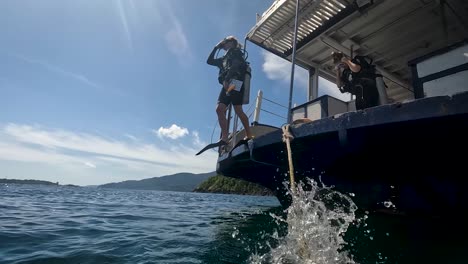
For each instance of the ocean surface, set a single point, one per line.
(59, 224)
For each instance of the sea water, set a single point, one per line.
(59, 224)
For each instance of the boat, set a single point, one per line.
(406, 156)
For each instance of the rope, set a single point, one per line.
(287, 137)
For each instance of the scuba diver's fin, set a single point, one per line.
(212, 145)
(241, 142)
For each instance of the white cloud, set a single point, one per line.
(123, 19)
(327, 87)
(133, 138)
(196, 139)
(172, 132)
(78, 77)
(174, 36)
(277, 68)
(89, 164)
(176, 39)
(70, 151)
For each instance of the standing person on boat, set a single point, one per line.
(232, 67)
(357, 76)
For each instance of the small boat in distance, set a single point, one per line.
(410, 152)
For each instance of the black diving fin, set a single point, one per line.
(244, 141)
(212, 145)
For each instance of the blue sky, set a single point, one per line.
(103, 91)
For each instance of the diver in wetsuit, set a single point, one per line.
(232, 67)
(357, 76)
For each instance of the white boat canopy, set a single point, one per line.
(391, 32)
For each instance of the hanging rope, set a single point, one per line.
(287, 137)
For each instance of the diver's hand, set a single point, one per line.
(220, 44)
(226, 85)
(346, 60)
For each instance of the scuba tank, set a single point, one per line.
(247, 77)
(381, 88)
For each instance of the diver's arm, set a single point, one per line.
(352, 66)
(338, 78)
(211, 60)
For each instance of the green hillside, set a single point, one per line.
(14, 181)
(222, 184)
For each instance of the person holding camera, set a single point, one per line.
(357, 76)
(232, 67)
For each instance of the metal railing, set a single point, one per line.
(252, 111)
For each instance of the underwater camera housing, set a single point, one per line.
(337, 56)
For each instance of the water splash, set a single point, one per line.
(389, 204)
(317, 219)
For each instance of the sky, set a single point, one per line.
(93, 92)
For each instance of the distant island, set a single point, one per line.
(189, 182)
(180, 182)
(13, 181)
(222, 184)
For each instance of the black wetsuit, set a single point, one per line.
(231, 66)
(362, 84)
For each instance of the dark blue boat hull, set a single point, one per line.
(413, 155)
